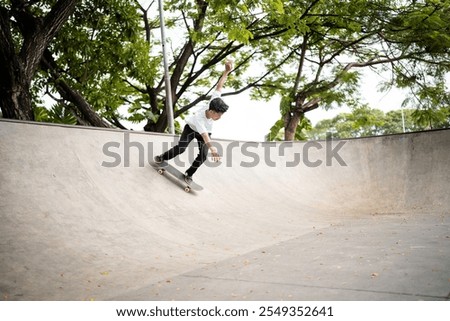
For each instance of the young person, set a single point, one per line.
(199, 126)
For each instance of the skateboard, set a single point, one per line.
(165, 167)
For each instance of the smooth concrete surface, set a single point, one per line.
(84, 217)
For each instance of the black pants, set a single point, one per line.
(187, 136)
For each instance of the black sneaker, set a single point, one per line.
(158, 159)
(187, 179)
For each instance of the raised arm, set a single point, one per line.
(223, 78)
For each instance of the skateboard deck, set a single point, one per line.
(166, 167)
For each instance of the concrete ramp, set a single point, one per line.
(84, 217)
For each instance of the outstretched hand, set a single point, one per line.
(228, 65)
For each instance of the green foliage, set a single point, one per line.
(57, 114)
(344, 125)
(432, 118)
(302, 129)
(304, 50)
(41, 114)
(277, 130)
(365, 121)
(97, 49)
(335, 33)
(91, 55)
(286, 105)
(140, 113)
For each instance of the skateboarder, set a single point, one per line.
(199, 126)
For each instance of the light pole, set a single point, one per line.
(169, 109)
(403, 121)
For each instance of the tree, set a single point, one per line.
(207, 33)
(361, 121)
(304, 51)
(18, 65)
(395, 119)
(324, 40)
(129, 72)
(364, 121)
(86, 68)
(403, 36)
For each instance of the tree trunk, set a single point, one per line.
(291, 121)
(15, 99)
(82, 105)
(17, 70)
(293, 118)
(159, 126)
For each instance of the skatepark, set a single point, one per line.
(85, 217)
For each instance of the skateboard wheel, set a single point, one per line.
(160, 171)
(187, 189)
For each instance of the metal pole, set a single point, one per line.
(169, 109)
(403, 121)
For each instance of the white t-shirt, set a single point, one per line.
(198, 120)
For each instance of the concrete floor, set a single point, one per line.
(85, 217)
